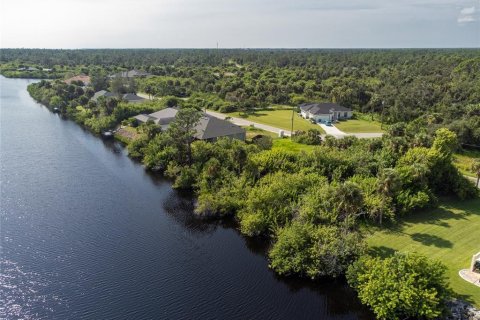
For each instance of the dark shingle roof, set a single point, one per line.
(144, 118)
(210, 127)
(322, 108)
(164, 116)
(102, 93)
(130, 97)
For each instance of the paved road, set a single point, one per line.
(243, 122)
(332, 130)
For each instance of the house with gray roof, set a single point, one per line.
(128, 97)
(130, 74)
(208, 127)
(102, 93)
(324, 112)
(132, 98)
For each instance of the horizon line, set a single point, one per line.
(240, 48)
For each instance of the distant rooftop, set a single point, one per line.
(130, 74)
(322, 108)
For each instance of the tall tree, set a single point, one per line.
(388, 183)
(182, 130)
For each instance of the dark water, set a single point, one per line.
(87, 234)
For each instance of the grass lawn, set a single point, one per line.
(463, 161)
(252, 132)
(278, 118)
(289, 145)
(359, 126)
(449, 233)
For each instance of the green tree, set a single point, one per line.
(388, 183)
(401, 287)
(182, 130)
(314, 251)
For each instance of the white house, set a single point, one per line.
(323, 112)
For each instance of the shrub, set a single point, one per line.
(400, 287)
(314, 251)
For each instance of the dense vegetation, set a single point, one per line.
(436, 87)
(309, 204)
(386, 286)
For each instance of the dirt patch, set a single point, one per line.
(128, 133)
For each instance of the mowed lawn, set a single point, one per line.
(288, 145)
(450, 233)
(278, 118)
(464, 161)
(359, 126)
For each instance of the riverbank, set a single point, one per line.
(89, 233)
(232, 178)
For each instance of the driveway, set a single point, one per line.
(246, 123)
(337, 133)
(332, 130)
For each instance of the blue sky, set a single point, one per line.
(239, 23)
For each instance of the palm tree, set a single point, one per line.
(476, 170)
(388, 183)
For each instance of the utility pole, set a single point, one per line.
(383, 109)
(293, 114)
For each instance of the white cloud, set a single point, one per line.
(238, 23)
(465, 19)
(467, 11)
(467, 15)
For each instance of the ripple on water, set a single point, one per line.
(22, 294)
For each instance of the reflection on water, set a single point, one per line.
(86, 233)
(24, 295)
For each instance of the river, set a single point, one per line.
(86, 233)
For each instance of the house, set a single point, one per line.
(208, 127)
(323, 112)
(161, 118)
(102, 93)
(83, 78)
(130, 74)
(132, 98)
(128, 97)
(27, 69)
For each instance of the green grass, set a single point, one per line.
(253, 131)
(289, 145)
(278, 118)
(463, 161)
(449, 233)
(359, 126)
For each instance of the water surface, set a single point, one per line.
(86, 233)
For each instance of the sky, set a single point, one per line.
(239, 23)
